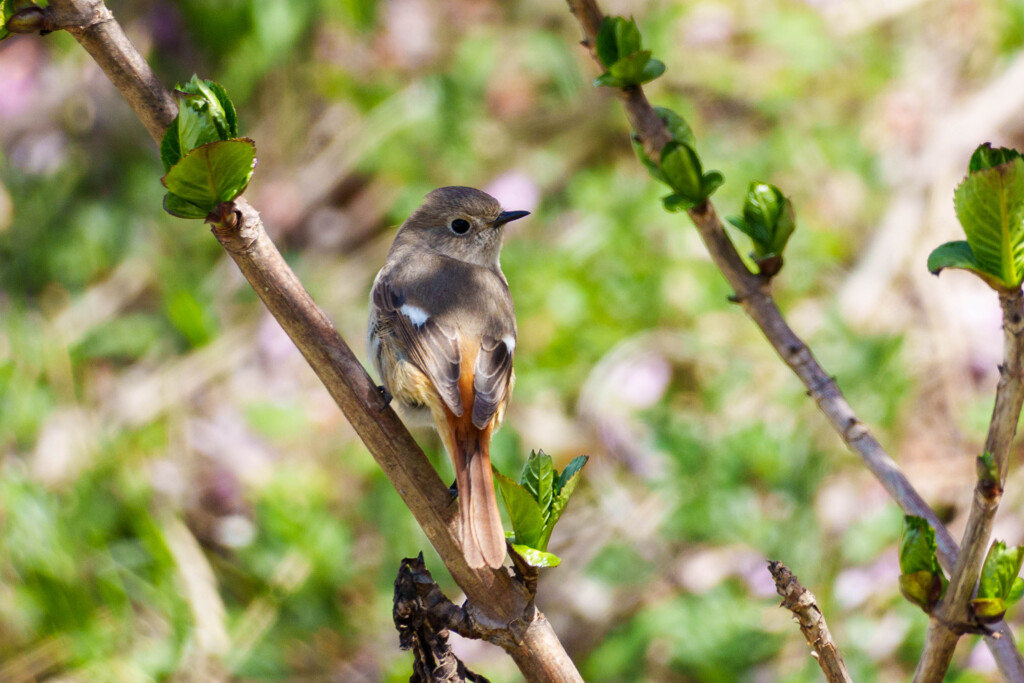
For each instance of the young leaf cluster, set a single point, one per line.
(921, 579)
(620, 50)
(768, 220)
(923, 583)
(205, 161)
(536, 502)
(989, 204)
(999, 586)
(680, 166)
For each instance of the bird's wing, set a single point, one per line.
(431, 346)
(492, 377)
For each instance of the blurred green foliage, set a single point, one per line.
(141, 385)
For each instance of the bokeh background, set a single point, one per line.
(180, 499)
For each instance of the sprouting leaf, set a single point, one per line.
(921, 579)
(987, 468)
(682, 169)
(176, 206)
(1002, 565)
(767, 219)
(526, 515)
(205, 114)
(959, 255)
(537, 478)
(571, 470)
(565, 484)
(212, 173)
(987, 156)
(537, 558)
(619, 48)
(990, 206)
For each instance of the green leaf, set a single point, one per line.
(987, 469)
(230, 115)
(537, 558)
(607, 47)
(176, 206)
(954, 255)
(527, 518)
(574, 466)
(170, 147)
(1002, 565)
(711, 181)
(986, 156)
(677, 126)
(627, 37)
(675, 203)
(537, 477)
(652, 69)
(565, 484)
(917, 546)
(1016, 591)
(213, 173)
(990, 206)
(682, 169)
(768, 219)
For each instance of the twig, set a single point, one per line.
(802, 603)
(953, 610)
(423, 617)
(753, 293)
(495, 600)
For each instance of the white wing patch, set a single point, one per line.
(416, 315)
(510, 343)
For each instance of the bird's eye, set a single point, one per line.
(460, 226)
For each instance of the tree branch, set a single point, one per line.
(753, 293)
(953, 611)
(802, 603)
(502, 607)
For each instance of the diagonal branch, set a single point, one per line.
(753, 293)
(498, 603)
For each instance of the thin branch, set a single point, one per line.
(954, 609)
(501, 606)
(754, 295)
(802, 603)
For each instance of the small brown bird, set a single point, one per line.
(442, 335)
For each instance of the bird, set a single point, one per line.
(442, 338)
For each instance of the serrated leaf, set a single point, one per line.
(537, 478)
(231, 116)
(214, 105)
(213, 173)
(574, 466)
(988, 610)
(987, 156)
(176, 206)
(990, 206)
(607, 49)
(1002, 565)
(565, 483)
(523, 510)
(677, 126)
(682, 169)
(537, 558)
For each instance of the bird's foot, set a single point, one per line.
(386, 395)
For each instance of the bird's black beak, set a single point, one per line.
(507, 217)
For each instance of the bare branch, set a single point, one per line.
(954, 609)
(802, 603)
(754, 294)
(495, 600)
